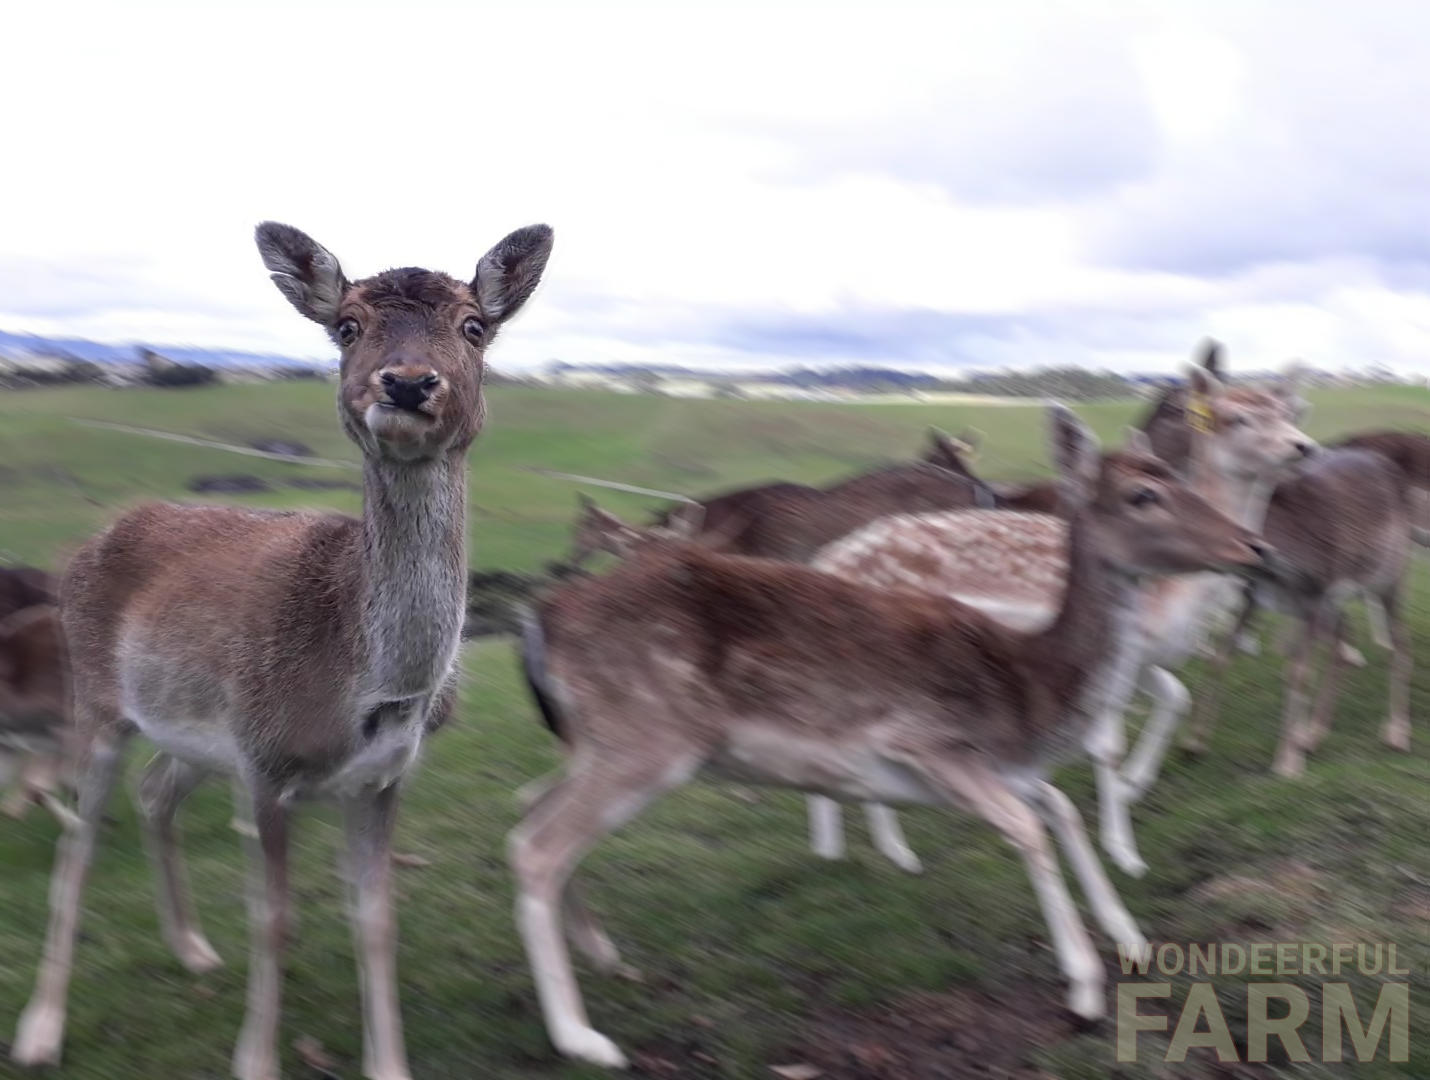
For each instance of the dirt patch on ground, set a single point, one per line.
(229, 484)
(935, 1037)
(1289, 879)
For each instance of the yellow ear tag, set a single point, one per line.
(1199, 414)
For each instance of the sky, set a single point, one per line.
(933, 186)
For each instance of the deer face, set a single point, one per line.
(1143, 517)
(1254, 433)
(412, 340)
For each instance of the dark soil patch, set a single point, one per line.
(229, 484)
(930, 1036)
(317, 483)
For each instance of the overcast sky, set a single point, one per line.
(952, 184)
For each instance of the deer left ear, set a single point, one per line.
(508, 274)
(1135, 441)
(1076, 453)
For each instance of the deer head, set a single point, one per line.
(600, 530)
(1249, 432)
(412, 340)
(1142, 518)
(953, 454)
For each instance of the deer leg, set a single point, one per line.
(42, 1024)
(1290, 761)
(1324, 709)
(1060, 814)
(596, 796)
(582, 927)
(165, 783)
(1170, 702)
(17, 802)
(1105, 743)
(888, 837)
(43, 776)
(1396, 733)
(369, 819)
(973, 787)
(1204, 716)
(826, 827)
(242, 820)
(255, 1057)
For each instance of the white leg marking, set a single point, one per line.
(888, 837)
(826, 827)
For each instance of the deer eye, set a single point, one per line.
(473, 329)
(348, 332)
(1144, 496)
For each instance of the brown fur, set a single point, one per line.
(22, 586)
(309, 654)
(682, 659)
(1341, 524)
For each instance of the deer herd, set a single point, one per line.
(914, 635)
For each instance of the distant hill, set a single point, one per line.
(16, 345)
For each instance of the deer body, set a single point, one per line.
(1013, 567)
(1342, 527)
(683, 661)
(304, 654)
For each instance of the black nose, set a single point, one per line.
(1305, 449)
(408, 391)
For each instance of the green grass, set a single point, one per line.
(748, 943)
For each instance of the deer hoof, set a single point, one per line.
(196, 954)
(1289, 766)
(1397, 736)
(1085, 1000)
(38, 1038)
(587, 1044)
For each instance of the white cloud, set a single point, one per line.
(1026, 182)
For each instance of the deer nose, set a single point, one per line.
(407, 391)
(1305, 447)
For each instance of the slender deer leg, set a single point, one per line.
(44, 775)
(1378, 616)
(1204, 716)
(1105, 743)
(1396, 733)
(888, 837)
(1290, 760)
(1170, 703)
(826, 827)
(165, 783)
(596, 796)
(1322, 713)
(1059, 812)
(242, 820)
(255, 1057)
(582, 927)
(15, 804)
(369, 819)
(42, 1024)
(973, 787)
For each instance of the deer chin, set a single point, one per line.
(403, 432)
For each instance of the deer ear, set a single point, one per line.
(1288, 389)
(305, 272)
(584, 501)
(1211, 357)
(686, 519)
(1201, 381)
(507, 275)
(1135, 441)
(1075, 453)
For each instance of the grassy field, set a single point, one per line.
(755, 953)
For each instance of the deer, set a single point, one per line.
(956, 453)
(683, 661)
(303, 653)
(34, 713)
(1232, 443)
(1342, 525)
(792, 521)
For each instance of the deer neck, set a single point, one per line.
(415, 558)
(1091, 652)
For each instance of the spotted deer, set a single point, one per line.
(684, 661)
(301, 652)
(1342, 525)
(1232, 446)
(793, 521)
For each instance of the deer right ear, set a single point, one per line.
(1211, 357)
(508, 274)
(305, 272)
(1076, 455)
